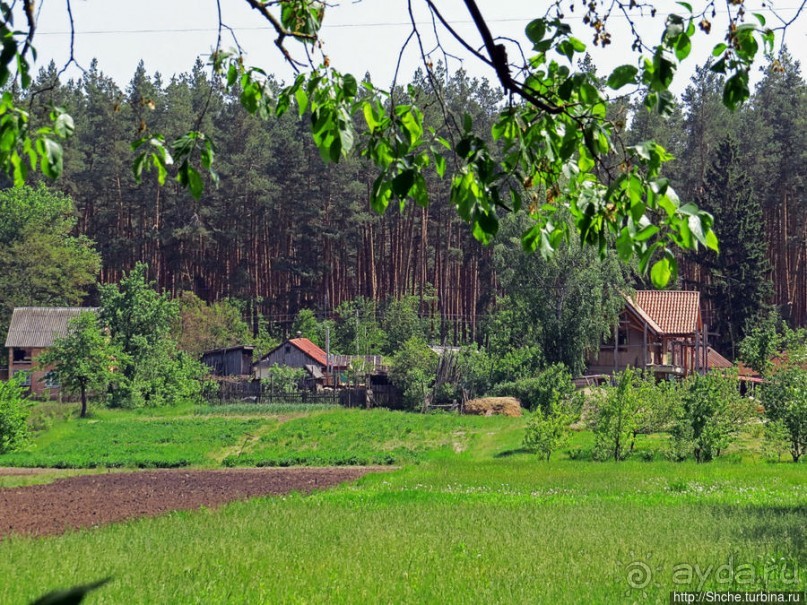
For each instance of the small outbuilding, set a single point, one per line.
(230, 361)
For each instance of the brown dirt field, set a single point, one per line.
(92, 500)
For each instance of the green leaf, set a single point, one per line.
(412, 122)
(624, 244)
(232, 74)
(64, 125)
(736, 91)
(536, 30)
(137, 167)
(577, 45)
(346, 140)
(488, 224)
(661, 272)
(381, 194)
(51, 153)
(683, 46)
(719, 49)
(440, 165)
(622, 75)
(195, 185)
(349, 86)
(588, 94)
(646, 233)
(711, 241)
(369, 116)
(302, 100)
(402, 183)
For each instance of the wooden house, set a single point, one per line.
(33, 330)
(230, 361)
(661, 331)
(323, 369)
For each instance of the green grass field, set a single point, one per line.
(467, 517)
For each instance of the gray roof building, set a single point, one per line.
(38, 327)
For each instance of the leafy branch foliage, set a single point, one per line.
(559, 149)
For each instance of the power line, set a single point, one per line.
(190, 30)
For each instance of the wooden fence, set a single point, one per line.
(257, 392)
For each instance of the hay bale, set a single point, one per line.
(488, 406)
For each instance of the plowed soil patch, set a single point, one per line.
(92, 500)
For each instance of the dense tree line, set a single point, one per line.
(283, 231)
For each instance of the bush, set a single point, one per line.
(712, 414)
(284, 380)
(553, 388)
(163, 377)
(13, 416)
(546, 432)
(413, 370)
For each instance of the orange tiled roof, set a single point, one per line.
(673, 311)
(716, 360)
(310, 349)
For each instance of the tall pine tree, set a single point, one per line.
(738, 283)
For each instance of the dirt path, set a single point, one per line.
(92, 500)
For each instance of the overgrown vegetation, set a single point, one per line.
(13, 415)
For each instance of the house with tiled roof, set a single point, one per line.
(661, 331)
(321, 367)
(32, 331)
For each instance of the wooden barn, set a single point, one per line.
(661, 331)
(33, 330)
(230, 361)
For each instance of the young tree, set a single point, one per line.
(712, 415)
(615, 420)
(763, 339)
(784, 396)
(548, 430)
(84, 361)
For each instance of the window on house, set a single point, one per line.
(51, 380)
(26, 382)
(22, 355)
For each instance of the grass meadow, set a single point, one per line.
(464, 516)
